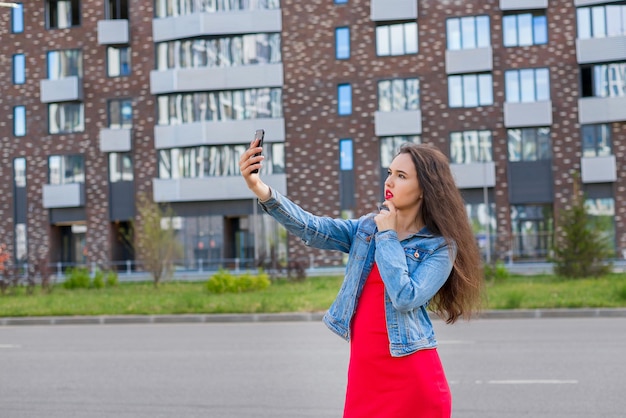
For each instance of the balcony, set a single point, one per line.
(474, 175)
(384, 10)
(115, 140)
(220, 23)
(211, 78)
(523, 4)
(113, 32)
(70, 195)
(68, 89)
(592, 50)
(465, 61)
(598, 169)
(210, 188)
(226, 132)
(601, 110)
(407, 122)
(520, 115)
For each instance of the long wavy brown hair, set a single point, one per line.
(443, 211)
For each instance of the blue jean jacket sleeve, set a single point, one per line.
(410, 290)
(315, 231)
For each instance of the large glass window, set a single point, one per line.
(529, 85)
(19, 172)
(120, 113)
(117, 9)
(601, 21)
(532, 227)
(468, 32)
(344, 99)
(19, 120)
(118, 61)
(342, 43)
(165, 8)
(529, 144)
(398, 94)
(390, 145)
(470, 147)
(396, 39)
(218, 106)
(19, 69)
(65, 63)
(525, 29)
(470, 90)
(120, 167)
(62, 14)
(601, 213)
(604, 80)
(346, 159)
(66, 169)
(66, 117)
(596, 140)
(17, 18)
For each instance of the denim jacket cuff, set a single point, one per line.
(271, 202)
(388, 234)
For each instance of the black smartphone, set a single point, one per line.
(258, 134)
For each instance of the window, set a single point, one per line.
(344, 99)
(389, 147)
(396, 39)
(118, 61)
(530, 85)
(346, 159)
(65, 63)
(17, 19)
(525, 29)
(601, 21)
(533, 228)
(470, 147)
(470, 90)
(398, 94)
(529, 144)
(468, 32)
(62, 14)
(117, 9)
(596, 140)
(21, 243)
(165, 8)
(120, 167)
(19, 172)
(19, 120)
(120, 113)
(604, 80)
(66, 169)
(342, 43)
(601, 213)
(341, 1)
(66, 118)
(19, 69)
(218, 106)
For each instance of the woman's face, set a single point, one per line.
(402, 187)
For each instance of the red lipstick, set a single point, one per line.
(388, 195)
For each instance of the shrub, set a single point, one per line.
(496, 272)
(111, 279)
(98, 280)
(226, 282)
(77, 278)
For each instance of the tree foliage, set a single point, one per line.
(580, 249)
(155, 237)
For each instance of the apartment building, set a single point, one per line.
(103, 102)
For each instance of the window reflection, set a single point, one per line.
(470, 147)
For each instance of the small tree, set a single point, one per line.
(156, 241)
(580, 250)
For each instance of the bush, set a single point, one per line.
(496, 272)
(226, 282)
(98, 280)
(77, 278)
(111, 279)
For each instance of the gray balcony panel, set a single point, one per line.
(115, 140)
(63, 195)
(68, 89)
(201, 79)
(381, 10)
(227, 132)
(113, 32)
(523, 4)
(601, 49)
(601, 110)
(474, 175)
(469, 60)
(598, 169)
(519, 115)
(408, 122)
(210, 188)
(579, 3)
(222, 23)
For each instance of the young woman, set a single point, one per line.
(417, 253)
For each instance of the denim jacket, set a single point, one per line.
(412, 270)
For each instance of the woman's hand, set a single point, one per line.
(249, 163)
(387, 218)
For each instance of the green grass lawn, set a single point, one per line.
(312, 295)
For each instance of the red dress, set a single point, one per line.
(382, 386)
